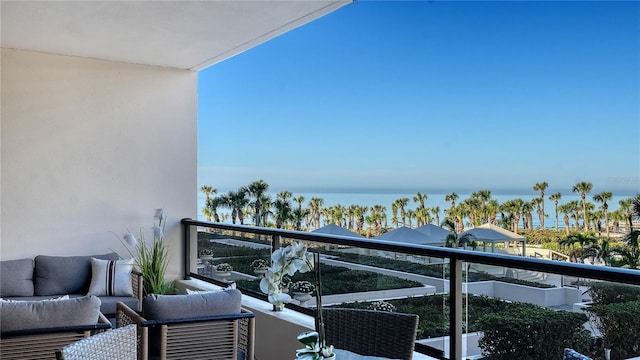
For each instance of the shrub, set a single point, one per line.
(603, 293)
(531, 334)
(618, 323)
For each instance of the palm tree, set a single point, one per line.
(538, 205)
(211, 208)
(237, 200)
(484, 196)
(436, 213)
(566, 210)
(627, 210)
(635, 207)
(556, 198)
(451, 197)
(583, 188)
(631, 252)
(581, 238)
(457, 214)
(282, 209)
(420, 199)
(402, 202)
(360, 213)
(527, 218)
(207, 190)
(256, 189)
(541, 187)
(422, 215)
(315, 204)
(603, 197)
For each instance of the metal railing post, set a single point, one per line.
(455, 309)
(187, 250)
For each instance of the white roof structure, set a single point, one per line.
(435, 233)
(489, 233)
(333, 229)
(407, 235)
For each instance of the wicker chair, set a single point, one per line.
(220, 337)
(118, 344)
(370, 332)
(43, 343)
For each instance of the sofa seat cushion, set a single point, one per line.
(16, 278)
(56, 275)
(165, 307)
(27, 315)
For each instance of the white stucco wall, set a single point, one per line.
(90, 148)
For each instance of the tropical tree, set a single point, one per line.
(457, 214)
(538, 205)
(211, 208)
(484, 196)
(631, 252)
(583, 188)
(256, 191)
(541, 187)
(402, 203)
(603, 197)
(360, 214)
(452, 197)
(555, 197)
(315, 205)
(420, 199)
(566, 210)
(525, 210)
(436, 213)
(626, 210)
(207, 190)
(283, 211)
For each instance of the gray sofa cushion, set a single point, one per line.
(59, 275)
(16, 278)
(26, 315)
(108, 306)
(158, 307)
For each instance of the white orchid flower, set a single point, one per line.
(279, 297)
(130, 239)
(327, 351)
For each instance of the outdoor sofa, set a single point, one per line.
(37, 329)
(46, 277)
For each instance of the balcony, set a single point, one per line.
(463, 285)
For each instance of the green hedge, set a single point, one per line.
(619, 324)
(532, 334)
(603, 293)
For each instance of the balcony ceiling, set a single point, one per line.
(177, 34)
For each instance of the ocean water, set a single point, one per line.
(437, 199)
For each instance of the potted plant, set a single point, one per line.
(259, 267)
(152, 258)
(302, 291)
(206, 254)
(382, 306)
(224, 268)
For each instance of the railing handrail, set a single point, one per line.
(604, 273)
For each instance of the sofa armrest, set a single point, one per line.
(41, 343)
(127, 316)
(138, 287)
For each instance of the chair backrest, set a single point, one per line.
(116, 344)
(371, 332)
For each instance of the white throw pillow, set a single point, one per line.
(111, 277)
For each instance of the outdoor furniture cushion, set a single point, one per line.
(111, 277)
(25, 315)
(57, 275)
(165, 307)
(16, 277)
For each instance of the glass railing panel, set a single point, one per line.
(520, 287)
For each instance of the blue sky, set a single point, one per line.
(431, 96)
